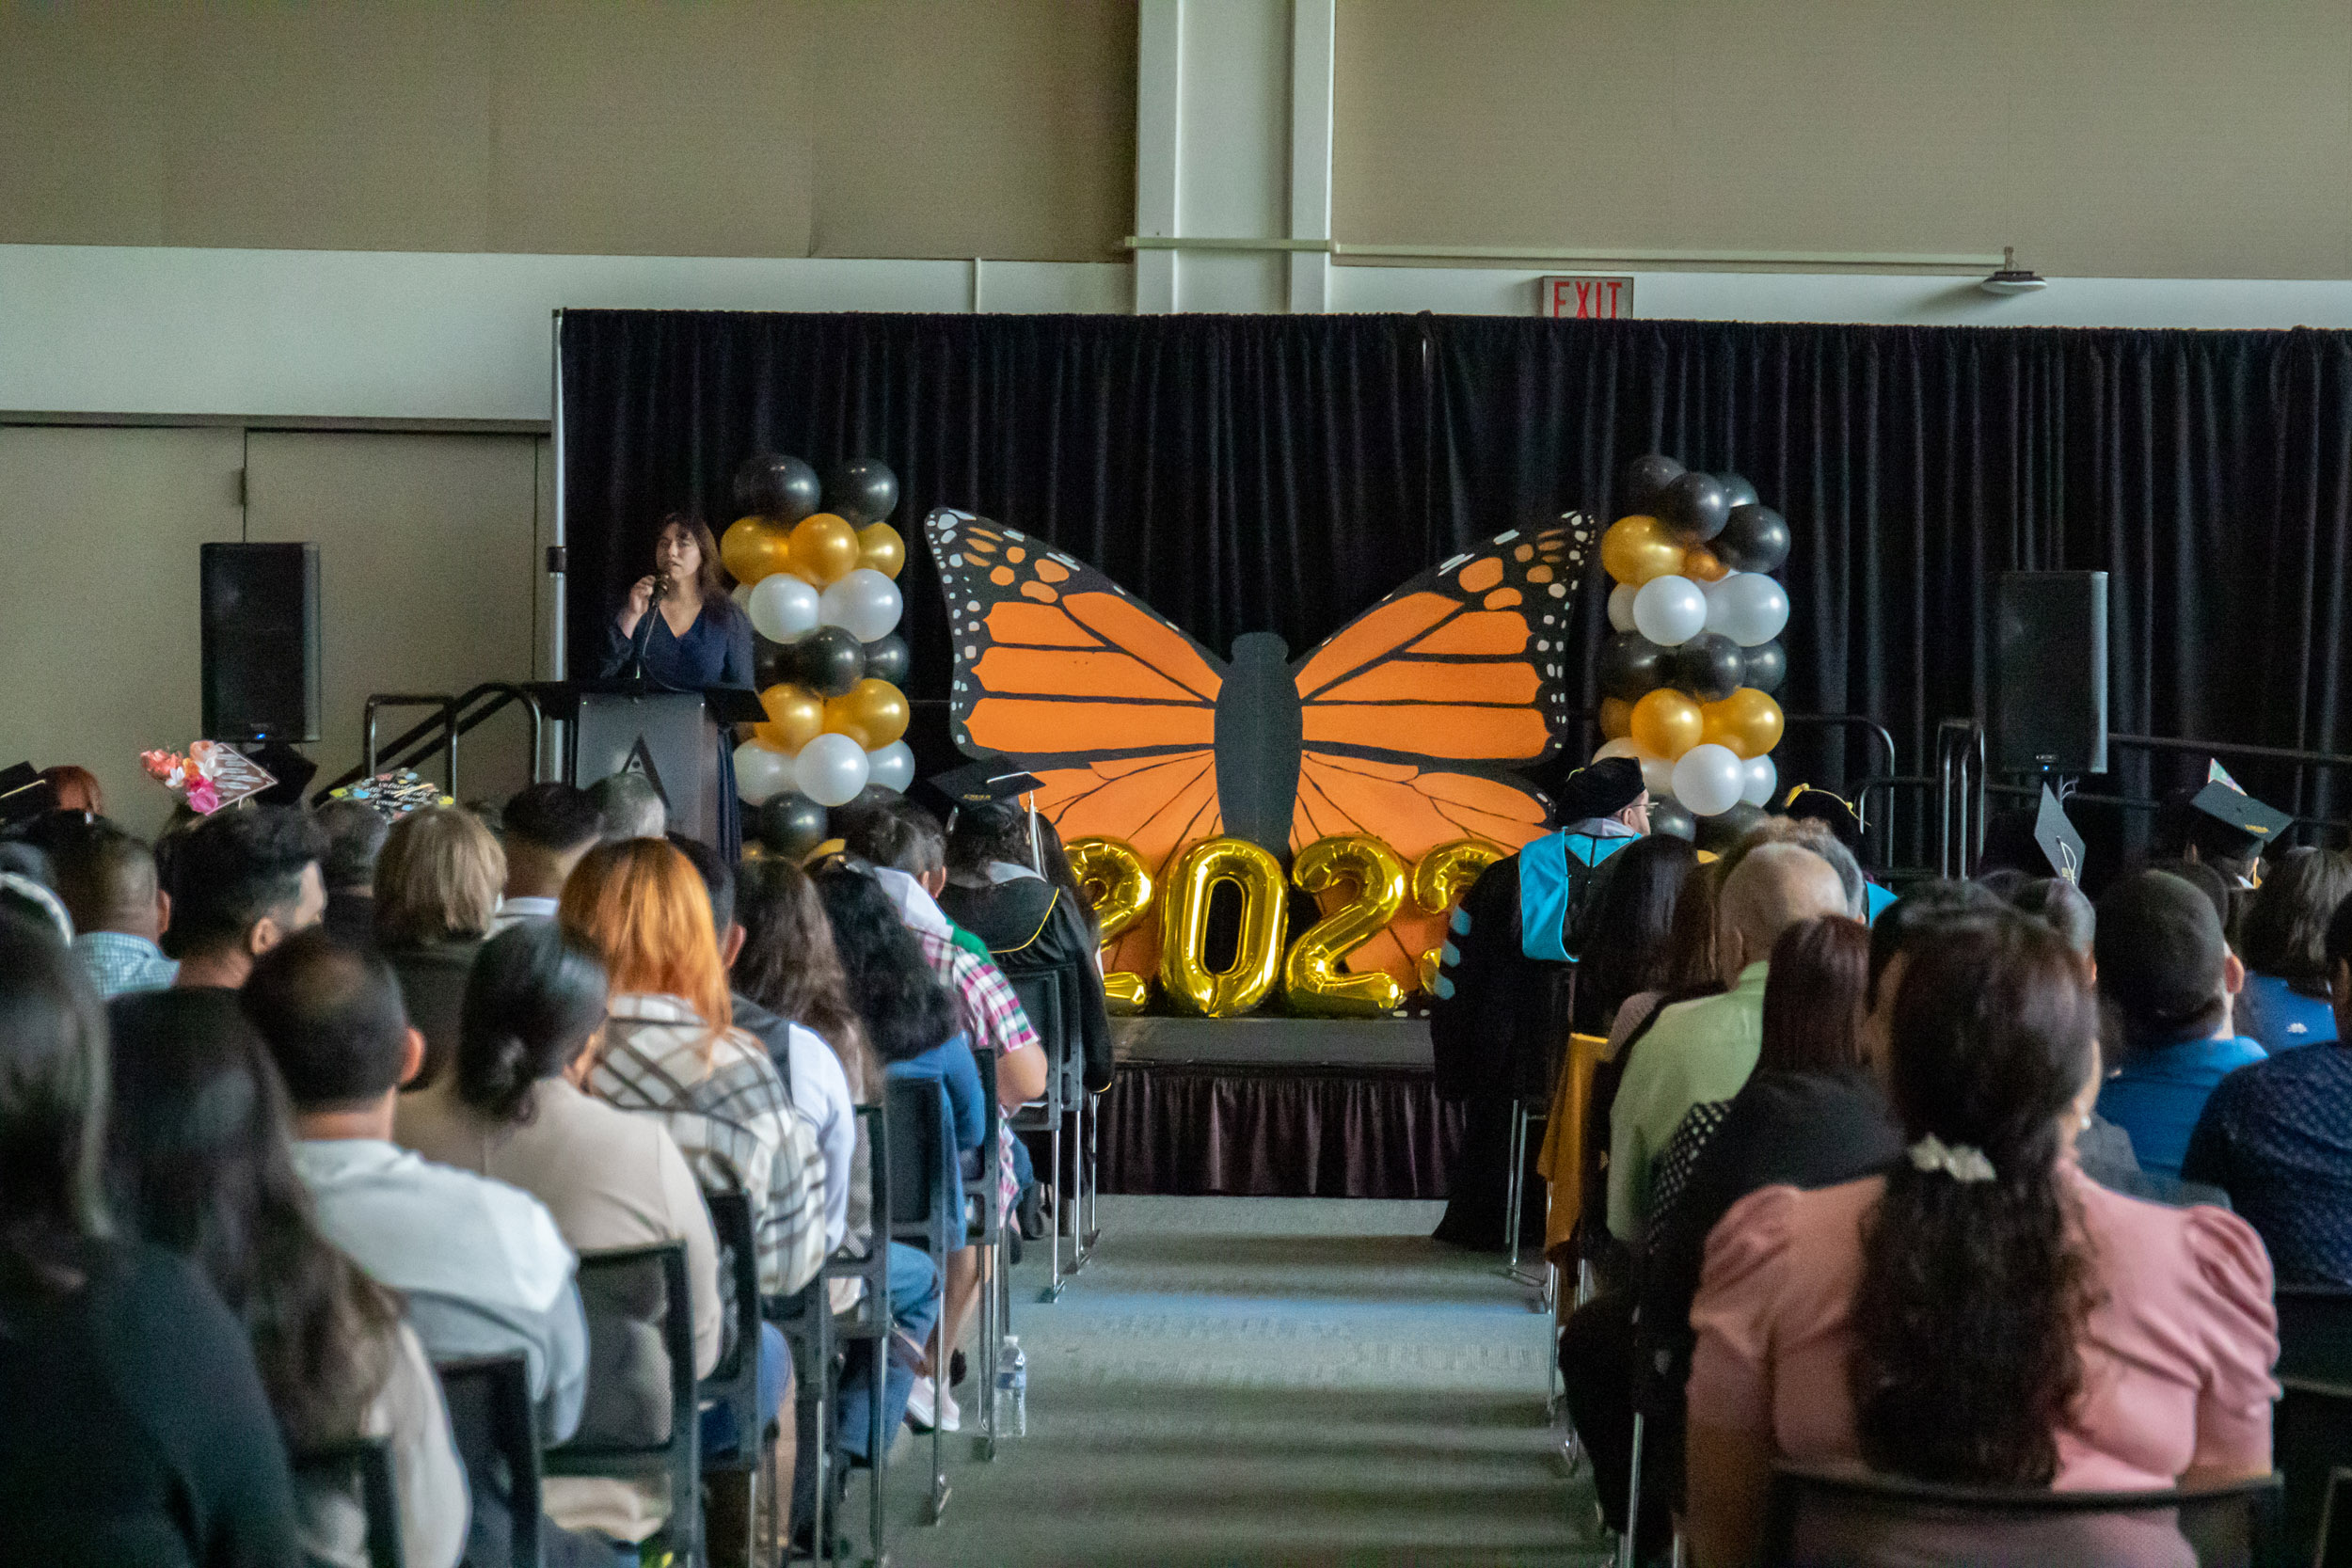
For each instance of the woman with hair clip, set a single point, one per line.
(1982, 1314)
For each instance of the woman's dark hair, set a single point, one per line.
(1056, 870)
(2064, 908)
(1970, 1313)
(1813, 997)
(53, 1110)
(710, 577)
(998, 830)
(535, 998)
(1625, 928)
(789, 966)
(202, 1163)
(2285, 932)
(905, 1009)
(1689, 965)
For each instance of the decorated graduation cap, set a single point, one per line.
(2232, 822)
(2054, 835)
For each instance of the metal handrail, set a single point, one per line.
(458, 716)
(1959, 795)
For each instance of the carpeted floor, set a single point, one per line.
(1263, 1381)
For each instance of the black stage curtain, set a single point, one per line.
(1282, 474)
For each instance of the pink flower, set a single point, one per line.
(203, 796)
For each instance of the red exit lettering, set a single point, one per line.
(1580, 298)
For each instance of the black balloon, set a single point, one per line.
(1630, 664)
(771, 662)
(772, 485)
(1709, 667)
(889, 660)
(1694, 508)
(863, 490)
(1767, 667)
(791, 824)
(1672, 819)
(1754, 539)
(1645, 477)
(829, 661)
(1725, 829)
(1739, 492)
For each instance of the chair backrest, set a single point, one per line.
(1570, 1106)
(642, 1417)
(921, 1145)
(981, 1196)
(2310, 1439)
(497, 1437)
(735, 1381)
(1856, 1519)
(1048, 997)
(355, 1477)
(2316, 1333)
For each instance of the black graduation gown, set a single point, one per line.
(1047, 949)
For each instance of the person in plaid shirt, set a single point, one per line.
(107, 880)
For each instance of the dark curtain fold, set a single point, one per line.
(1278, 1131)
(1282, 473)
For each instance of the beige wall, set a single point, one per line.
(900, 127)
(2159, 138)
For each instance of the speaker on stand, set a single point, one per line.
(261, 642)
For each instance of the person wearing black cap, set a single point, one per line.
(2168, 980)
(1505, 996)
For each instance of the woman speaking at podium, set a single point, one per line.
(679, 632)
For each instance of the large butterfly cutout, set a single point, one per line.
(1405, 725)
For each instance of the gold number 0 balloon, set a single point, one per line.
(1184, 922)
(1114, 877)
(1444, 874)
(1311, 977)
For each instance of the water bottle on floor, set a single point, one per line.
(1012, 1389)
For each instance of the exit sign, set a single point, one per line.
(1585, 297)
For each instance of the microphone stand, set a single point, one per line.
(635, 669)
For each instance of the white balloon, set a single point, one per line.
(760, 772)
(1747, 607)
(1707, 779)
(1762, 779)
(742, 596)
(1657, 776)
(830, 769)
(1621, 605)
(783, 608)
(865, 603)
(1669, 610)
(891, 767)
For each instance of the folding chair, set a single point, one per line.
(1565, 1131)
(497, 1437)
(1040, 991)
(922, 1150)
(734, 1383)
(360, 1467)
(984, 1228)
(1534, 1075)
(868, 1324)
(627, 1432)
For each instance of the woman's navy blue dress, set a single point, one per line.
(715, 650)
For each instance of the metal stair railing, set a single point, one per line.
(453, 717)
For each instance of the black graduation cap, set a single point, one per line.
(2057, 840)
(977, 784)
(24, 794)
(2250, 826)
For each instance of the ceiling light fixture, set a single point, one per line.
(2013, 279)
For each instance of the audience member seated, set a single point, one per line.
(545, 830)
(1705, 1049)
(201, 1162)
(2167, 980)
(484, 1268)
(2285, 941)
(2276, 1136)
(107, 880)
(910, 1025)
(355, 832)
(2184, 831)
(2061, 906)
(672, 1051)
(1982, 1314)
(1625, 947)
(628, 806)
(243, 881)
(436, 891)
(2205, 880)
(77, 789)
(512, 1109)
(153, 1442)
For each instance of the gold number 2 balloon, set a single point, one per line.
(1444, 874)
(1185, 975)
(1311, 977)
(1114, 877)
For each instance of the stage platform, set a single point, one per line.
(1284, 1107)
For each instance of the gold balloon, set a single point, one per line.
(1666, 723)
(880, 547)
(1638, 548)
(1616, 719)
(872, 713)
(1313, 978)
(824, 549)
(1701, 565)
(1441, 877)
(755, 548)
(1748, 721)
(1118, 884)
(1185, 928)
(796, 716)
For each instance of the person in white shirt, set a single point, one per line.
(546, 829)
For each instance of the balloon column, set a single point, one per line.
(819, 588)
(1688, 672)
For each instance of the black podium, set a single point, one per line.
(673, 737)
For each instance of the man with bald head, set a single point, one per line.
(1704, 1051)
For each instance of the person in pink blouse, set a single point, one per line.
(1983, 1313)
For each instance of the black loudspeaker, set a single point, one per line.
(261, 642)
(2050, 673)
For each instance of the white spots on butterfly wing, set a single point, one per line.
(1445, 566)
(970, 650)
(1507, 537)
(1015, 533)
(972, 606)
(1557, 589)
(955, 561)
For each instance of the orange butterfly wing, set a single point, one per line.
(1467, 665)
